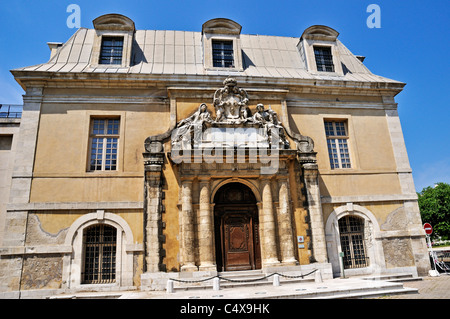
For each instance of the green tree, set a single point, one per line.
(434, 204)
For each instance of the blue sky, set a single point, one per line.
(411, 46)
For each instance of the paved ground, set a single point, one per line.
(429, 288)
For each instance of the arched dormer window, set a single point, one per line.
(113, 41)
(221, 45)
(318, 50)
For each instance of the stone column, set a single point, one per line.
(285, 224)
(206, 229)
(270, 257)
(188, 236)
(311, 172)
(153, 162)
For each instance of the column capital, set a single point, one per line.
(187, 180)
(204, 179)
(282, 178)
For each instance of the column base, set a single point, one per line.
(272, 262)
(207, 267)
(289, 262)
(189, 268)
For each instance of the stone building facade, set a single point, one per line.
(148, 154)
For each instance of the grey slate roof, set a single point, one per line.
(181, 53)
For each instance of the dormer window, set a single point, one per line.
(112, 41)
(324, 59)
(222, 54)
(318, 47)
(222, 45)
(111, 51)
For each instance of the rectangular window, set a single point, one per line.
(222, 54)
(324, 59)
(104, 141)
(111, 51)
(337, 138)
(5, 142)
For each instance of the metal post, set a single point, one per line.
(433, 272)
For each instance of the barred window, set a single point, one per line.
(351, 231)
(104, 142)
(337, 142)
(324, 59)
(111, 51)
(222, 54)
(99, 245)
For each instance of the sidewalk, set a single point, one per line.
(429, 288)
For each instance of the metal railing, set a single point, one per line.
(217, 278)
(11, 110)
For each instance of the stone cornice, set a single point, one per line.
(137, 81)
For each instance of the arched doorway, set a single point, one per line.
(236, 228)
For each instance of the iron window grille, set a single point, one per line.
(99, 243)
(223, 54)
(324, 59)
(337, 142)
(351, 231)
(111, 51)
(104, 144)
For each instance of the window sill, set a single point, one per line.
(234, 69)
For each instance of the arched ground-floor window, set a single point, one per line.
(351, 232)
(102, 253)
(99, 250)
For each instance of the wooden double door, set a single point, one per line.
(236, 231)
(237, 239)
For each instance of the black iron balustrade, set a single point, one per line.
(11, 110)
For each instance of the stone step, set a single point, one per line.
(236, 279)
(225, 284)
(325, 292)
(370, 294)
(399, 277)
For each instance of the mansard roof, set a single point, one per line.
(176, 53)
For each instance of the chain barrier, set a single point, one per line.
(242, 281)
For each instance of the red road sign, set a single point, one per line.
(428, 228)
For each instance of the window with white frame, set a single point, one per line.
(104, 144)
(337, 142)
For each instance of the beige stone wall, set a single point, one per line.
(8, 128)
(60, 170)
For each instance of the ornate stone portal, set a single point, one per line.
(234, 147)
